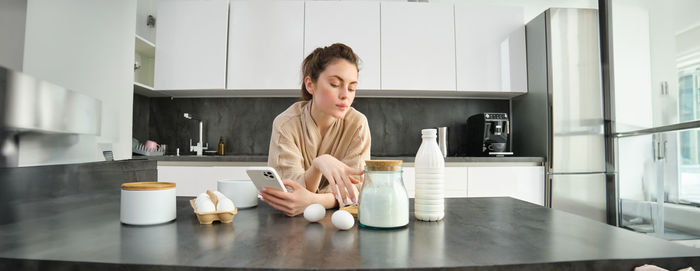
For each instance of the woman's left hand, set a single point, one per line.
(291, 203)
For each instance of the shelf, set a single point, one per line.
(147, 91)
(145, 48)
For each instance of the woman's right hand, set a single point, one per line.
(339, 177)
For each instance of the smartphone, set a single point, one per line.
(265, 177)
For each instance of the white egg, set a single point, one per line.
(219, 195)
(203, 195)
(314, 212)
(225, 205)
(204, 205)
(342, 220)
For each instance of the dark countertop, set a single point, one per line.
(83, 232)
(263, 158)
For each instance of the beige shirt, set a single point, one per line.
(296, 141)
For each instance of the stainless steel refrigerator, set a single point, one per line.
(561, 116)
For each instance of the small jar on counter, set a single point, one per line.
(383, 198)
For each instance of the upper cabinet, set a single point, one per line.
(355, 24)
(191, 45)
(418, 46)
(266, 45)
(490, 48)
(244, 48)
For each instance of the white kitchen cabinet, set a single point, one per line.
(490, 42)
(191, 45)
(355, 24)
(455, 181)
(192, 180)
(417, 46)
(524, 183)
(266, 45)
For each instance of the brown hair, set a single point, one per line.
(316, 62)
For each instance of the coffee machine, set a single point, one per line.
(487, 135)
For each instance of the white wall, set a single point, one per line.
(663, 60)
(12, 18)
(632, 70)
(86, 46)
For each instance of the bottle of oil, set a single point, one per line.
(220, 151)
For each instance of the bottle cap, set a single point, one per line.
(429, 132)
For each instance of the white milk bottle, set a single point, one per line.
(430, 169)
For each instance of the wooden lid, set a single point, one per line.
(147, 186)
(383, 165)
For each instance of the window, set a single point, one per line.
(689, 141)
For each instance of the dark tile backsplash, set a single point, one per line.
(140, 119)
(246, 123)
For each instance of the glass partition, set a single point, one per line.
(656, 58)
(654, 109)
(659, 187)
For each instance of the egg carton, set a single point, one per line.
(142, 150)
(210, 217)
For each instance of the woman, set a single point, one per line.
(319, 145)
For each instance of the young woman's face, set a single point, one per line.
(334, 90)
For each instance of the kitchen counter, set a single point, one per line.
(83, 232)
(408, 159)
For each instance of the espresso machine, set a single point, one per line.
(487, 135)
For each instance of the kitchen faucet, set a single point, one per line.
(199, 147)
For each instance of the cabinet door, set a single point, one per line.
(191, 49)
(328, 22)
(418, 46)
(192, 180)
(524, 183)
(490, 44)
(456, 182)
(266, 42)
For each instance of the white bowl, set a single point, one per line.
(147, 203)
(242, 192)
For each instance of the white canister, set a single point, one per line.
(147, 203)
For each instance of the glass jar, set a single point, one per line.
(383, 198)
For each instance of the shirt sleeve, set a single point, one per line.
(285, 156)
(357, 152)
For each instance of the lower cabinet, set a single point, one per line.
(192, 180)
(520, 182)
(523, 183)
